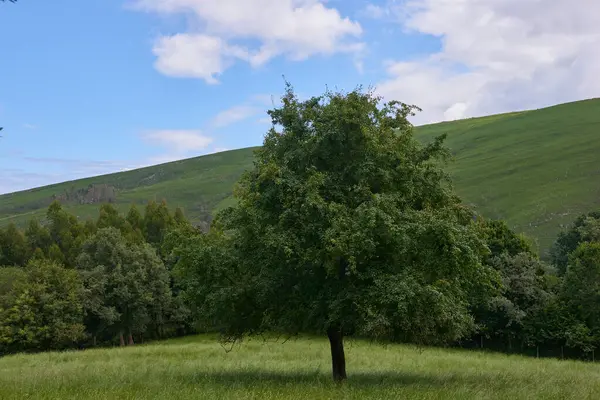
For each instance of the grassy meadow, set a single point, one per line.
(535, 169)
(199, 368)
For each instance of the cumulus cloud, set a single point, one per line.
(296, 28)
(195, 55)
(497, 56)
(178, 141)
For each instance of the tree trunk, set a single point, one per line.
(130, 340)
(94, 340)
(121, 339)
(338, 359)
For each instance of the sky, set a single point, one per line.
(97, 86)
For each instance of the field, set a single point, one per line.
(536, 169)
(199, 368)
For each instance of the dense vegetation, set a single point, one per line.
(196, 367)
(345, 226)
(506, 167)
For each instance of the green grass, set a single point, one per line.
(198, 368)
(536, 169)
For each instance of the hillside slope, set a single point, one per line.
(535, 169)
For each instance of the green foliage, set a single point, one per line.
(524, 296)
(55, 254)
(109, 217)
(586, 228)
(13, 246)
(44, 309)
(179, 218)
(8, 277)
(65, 231)
(581, 291)
(157, 221)
(502, 240)
(346, 225)
(127, 285)
(38, 236)
(134, 217)
(124, 285)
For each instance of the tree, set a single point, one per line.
(502, 240)
(524, 295)
(109, 216)
(134, 226)
(127, 285)
(346, 225)
(179, 218)
(38, 236)
(585, 228)
(157, 220)
(13, 246)
(45, 309)
(581, 292)
(66, 232)
(55, 254)
(134, 217)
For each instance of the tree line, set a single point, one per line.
(346, 226)
(67, 283)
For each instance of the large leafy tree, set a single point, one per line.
(346, 225)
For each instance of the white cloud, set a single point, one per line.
(179, 141)
(29, 126)
(374, 11)
(296, 28)
(233, 115)
(195, 55)
(497, 56)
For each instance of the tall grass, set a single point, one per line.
(199, 368)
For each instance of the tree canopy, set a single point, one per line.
(585, 229)
(346, 225)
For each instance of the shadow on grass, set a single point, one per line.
(355, 380)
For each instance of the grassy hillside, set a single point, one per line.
(199, 185)
(535, 169)
(198, 368)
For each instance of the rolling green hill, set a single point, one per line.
(536, 169)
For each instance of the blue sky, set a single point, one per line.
(96, 86)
